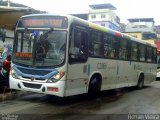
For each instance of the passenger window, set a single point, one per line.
(149, 54)
(134, 51)
(78, 46)
(115, 47)
(96, 48)
(111, 46)
(141, 52)
(154, 56)
(123, 49)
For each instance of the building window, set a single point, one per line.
(93, 16)
(103, 16)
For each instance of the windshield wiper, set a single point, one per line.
(45, 34)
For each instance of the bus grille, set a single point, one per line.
(34, 72)
(40, 79)
(30, 85)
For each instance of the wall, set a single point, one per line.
(8, 40)
(136, 34)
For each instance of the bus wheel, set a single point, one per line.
(94, 87)
(140, 82)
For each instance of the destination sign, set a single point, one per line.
(44, 21)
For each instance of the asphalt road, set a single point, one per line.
(130, 104)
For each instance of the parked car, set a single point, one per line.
(158, 74)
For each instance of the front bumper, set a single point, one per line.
(56, 89)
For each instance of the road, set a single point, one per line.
(108, 106)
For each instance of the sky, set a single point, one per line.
(126, 9)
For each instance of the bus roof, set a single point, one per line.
(95, 26)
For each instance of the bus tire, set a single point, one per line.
(140, 83)
(94, 87)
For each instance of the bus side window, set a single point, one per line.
(134, 51)
(128, 50)
(154, 56)
(78, 46)
(116, 46)
(96, 46)
(141, 52)
(149, 54)
(123, 49)
(107, 46)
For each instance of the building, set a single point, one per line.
(142, 28)
(9, 16)
(10, 13)
(141, 25)
(103, 15)
(148, 37)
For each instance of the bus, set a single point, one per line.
(62, 55)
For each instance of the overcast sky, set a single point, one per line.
(125, 8)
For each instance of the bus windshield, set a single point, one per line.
(39, 47)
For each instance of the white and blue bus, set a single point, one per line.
(65, 56)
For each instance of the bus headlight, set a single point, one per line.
(14, 74)
(56, 77)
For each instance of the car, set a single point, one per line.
(158, 74)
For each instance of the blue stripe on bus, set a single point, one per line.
(27, 73)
